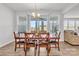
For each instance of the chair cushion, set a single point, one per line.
(52, 42)
(31, 42)
(20, 42)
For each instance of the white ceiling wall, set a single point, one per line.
(39, 6)
(73, 13)
(69, 9)
(43, 8)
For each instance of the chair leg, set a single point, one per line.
(35, 51)
(36, 48)
(19, 45)
(38, 51)
(15, 47)
(58, 47)
(46, 48)
(48, 51)
(24, 48)
(25, 52)
(55, 45)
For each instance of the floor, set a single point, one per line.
(65, 50)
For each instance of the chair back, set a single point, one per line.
(59, 34)
(19, 36)
(30, 35)
(44, 36)
(15, 35)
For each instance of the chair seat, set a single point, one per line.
(20, 42)
(31, 42)
(20, 37)
(43, 42)
(53, 42)
(30, 45)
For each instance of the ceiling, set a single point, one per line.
(73, 13)
(38, 6)
(75, 9)
(68, 9)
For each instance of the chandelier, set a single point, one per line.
(35, 14)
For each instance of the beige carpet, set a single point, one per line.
(66, 50)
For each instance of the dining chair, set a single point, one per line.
(55, 41)
(44, 42)
(30, 42)
(19, 40)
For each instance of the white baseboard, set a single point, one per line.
(6, 43)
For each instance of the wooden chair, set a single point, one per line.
(30, 42)
(19, 40)
(55, 41)
(44, 42)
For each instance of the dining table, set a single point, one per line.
(37, 39)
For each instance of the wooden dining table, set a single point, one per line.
(36, 38)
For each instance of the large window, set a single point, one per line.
(42, 24)
(65, 24)
(71, 23)
(54, 24)
(33, 25)
(38, 25)
(21, 24)
(77, 24)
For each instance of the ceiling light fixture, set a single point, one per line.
(35, 14)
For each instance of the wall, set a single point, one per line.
(6, 25)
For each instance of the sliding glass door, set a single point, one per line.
(41, 24)
(54, 24)
(21, 24)
(38, 25)
(71, 23)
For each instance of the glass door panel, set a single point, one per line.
(22, 24)
(38, 25)
(33, 25)
(54, 25)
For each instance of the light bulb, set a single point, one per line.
(38, 15)
(33, 14)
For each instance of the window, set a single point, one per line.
(77, 24)
(65, 24)
(22, 24)
(45, 25)
(38, 25)
(54, 24)
(71, 23)
(33, 26)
